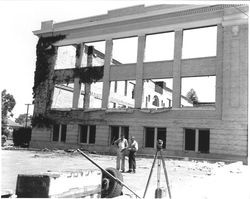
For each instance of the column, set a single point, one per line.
(77, 84)
(177, 69)
(196, 140)
(139, 71)
(87, 86)
(106, 73)
(219, 70)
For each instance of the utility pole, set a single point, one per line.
(27, 114)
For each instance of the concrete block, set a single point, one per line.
(80, 183)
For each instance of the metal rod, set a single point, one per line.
(150, 174)
(103, 170)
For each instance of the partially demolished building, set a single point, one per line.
(173, 72)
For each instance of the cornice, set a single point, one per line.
(112, 18)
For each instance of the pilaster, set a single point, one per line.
(177, 68)
(219, 70)
(106, 74)
(77, 84)
(139, 71)
(87, 86)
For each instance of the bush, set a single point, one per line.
(22, 136)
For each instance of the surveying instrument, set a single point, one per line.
(158, 155)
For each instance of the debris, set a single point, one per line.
(45, 149)
(93, 152)
(70, 150)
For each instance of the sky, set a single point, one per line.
(18, 44)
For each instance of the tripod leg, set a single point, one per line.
(158, 173)
(166, 175)
(150, 174)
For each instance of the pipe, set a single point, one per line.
(103, 170)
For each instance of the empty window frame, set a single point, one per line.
(122, 94)
(159, 47)
(197, 140)
(63, 96)
(117, 131)
(66, 57)
(198, 91)
(157, 93)
(92, 93)
(153, 134)
(59, 133)
(87, 134)
(124, 51)
(199, 42)
(93, 54)
(96, 95)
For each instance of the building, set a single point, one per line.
(123, 97)
(135, 78)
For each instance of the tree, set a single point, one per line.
(8, 103)
(192, 96)
(22, 119)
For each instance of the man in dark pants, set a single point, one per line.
(133, 147)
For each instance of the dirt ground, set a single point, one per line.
(188, 179)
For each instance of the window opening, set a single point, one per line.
(197, 140)
(126, 88)
(159, 47)
(199, 42)
(114, 134)
(125, 131)
(66, 57)
(96, 95)
(149, 137)
(204, 137)
(156, 101)
(190, 139)
(87, 134)
(115, 87)
(63, 96)
(92, 134)
(59, 132)
(56, 128)
(153, 132)
(159, 90)
(83, 133)
(124, 50)
(123, 96)
(117, 131)
(198, 91)
(63, 132)
(94, 54)
(161, 134)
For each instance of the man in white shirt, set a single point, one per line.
(122, 145)
(133, 148)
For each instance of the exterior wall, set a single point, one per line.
(235, 73)
(227, 121)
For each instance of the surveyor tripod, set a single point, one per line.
(159, 157)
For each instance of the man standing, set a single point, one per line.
(133, 147)
(122, 145)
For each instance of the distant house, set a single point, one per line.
(13, 125)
